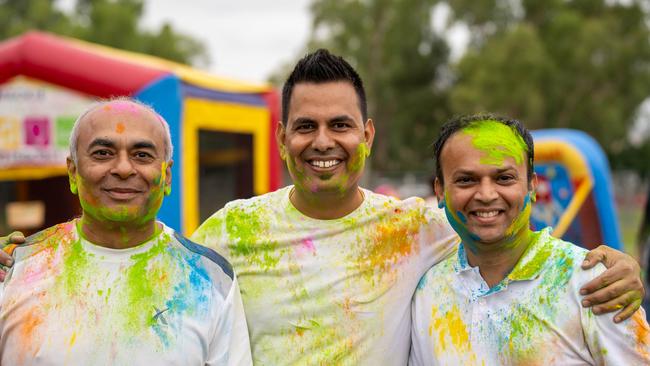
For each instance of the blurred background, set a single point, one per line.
(577, 64)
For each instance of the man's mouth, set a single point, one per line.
(324, 164)
(486, 214)
(120, 193)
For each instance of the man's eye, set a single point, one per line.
(101, 153)
(305, 127)
(340, 125)
(143, 155)
(464, 180)
(506, 178)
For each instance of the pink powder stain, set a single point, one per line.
(306, 247)
(124, 106)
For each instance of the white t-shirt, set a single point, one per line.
(329, 292)
(532, 317)
(168, 301)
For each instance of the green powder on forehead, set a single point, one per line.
(497, 140)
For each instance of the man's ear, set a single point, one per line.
(168, 177)
(369, 134)
(72, 175)
(533, 187)
(440, 192)
(280, 133)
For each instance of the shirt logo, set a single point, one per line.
(159, 316)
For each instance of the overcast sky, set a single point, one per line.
(246, 39)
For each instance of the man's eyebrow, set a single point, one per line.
(143, 144)
(341, 118)
(303, 120)
(101, 142)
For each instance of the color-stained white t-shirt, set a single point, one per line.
(168, 301)
(329, 292)
(532, 317)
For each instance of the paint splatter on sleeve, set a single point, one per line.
(627, 343)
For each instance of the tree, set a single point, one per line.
(113, 23)
(400, 58)
(577, 64)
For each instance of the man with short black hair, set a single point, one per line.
(508, 296)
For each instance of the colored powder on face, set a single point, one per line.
(497, 141)
(358, 159)
(119, 128)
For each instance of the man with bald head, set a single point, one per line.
(116, 287)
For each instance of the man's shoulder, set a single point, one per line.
(440, 274)
(266, 199)
(44, 239)
(210, 257)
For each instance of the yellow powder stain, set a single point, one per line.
(73, 339)
(120, 127)
(395, 237)
(449, 327)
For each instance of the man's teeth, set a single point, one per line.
(487, 214)
(324, 164)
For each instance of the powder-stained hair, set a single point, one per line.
(458, 123)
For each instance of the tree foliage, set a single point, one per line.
(114, 23)
(576, 64)
(581, 64)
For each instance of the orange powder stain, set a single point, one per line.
(28, 327)
(641, 333)
(119, 128)
(394, 238)
(9, 249)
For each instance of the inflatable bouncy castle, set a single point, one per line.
(574, 191)
(222, 130)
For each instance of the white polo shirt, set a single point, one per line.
(533, 317)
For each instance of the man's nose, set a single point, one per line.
(487, 191)
(323, 140)
(123, 166)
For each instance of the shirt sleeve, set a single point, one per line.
(210, 233)
(439, 237)
(626, 343)
(230, 344)
(419, 338)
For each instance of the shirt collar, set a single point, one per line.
(529, 266)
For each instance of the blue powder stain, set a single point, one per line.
(422, 283)
(461, 217)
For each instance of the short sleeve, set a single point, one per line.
(230, 344)
(625, 343)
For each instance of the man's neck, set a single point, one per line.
(496, 261)
(117, 235)
(326, 205)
